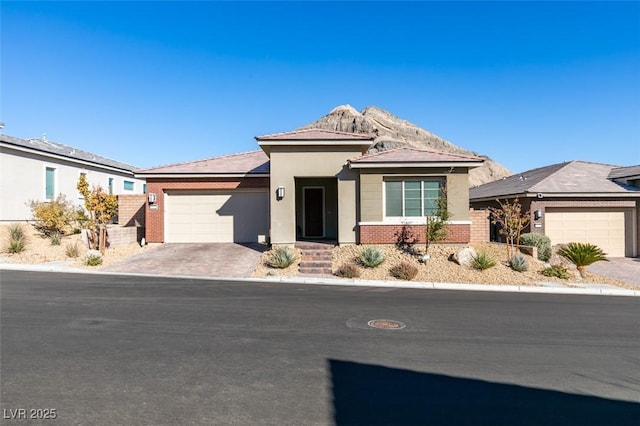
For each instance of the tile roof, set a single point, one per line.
(253, 162)
(413, 155)
(315, 135)
(624, 172)
(69, 152)
(574, 177)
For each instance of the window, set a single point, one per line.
(50, 183)
(412, 197)
(144, 188)
(128, 185)
(110, 186)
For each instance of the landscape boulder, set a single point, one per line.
(464, 256)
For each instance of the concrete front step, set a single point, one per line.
(315, 271)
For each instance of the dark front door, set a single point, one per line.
(313, 212)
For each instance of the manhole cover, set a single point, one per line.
(386, 324)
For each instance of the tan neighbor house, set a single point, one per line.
(309, 184)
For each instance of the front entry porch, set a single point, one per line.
(316, 209)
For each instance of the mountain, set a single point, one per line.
(393, 132)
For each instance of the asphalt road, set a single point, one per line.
(108, 350)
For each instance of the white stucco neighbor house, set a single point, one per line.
(40, 170)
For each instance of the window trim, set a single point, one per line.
(408, 219)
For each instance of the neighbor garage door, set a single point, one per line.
(602, 228)
(216, 216)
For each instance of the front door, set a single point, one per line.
(313, 202)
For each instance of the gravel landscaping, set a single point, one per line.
(39, 250)
(440, 269)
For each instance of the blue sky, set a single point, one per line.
(152, 83)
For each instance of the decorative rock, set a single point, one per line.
(92, 253)
(464, 256)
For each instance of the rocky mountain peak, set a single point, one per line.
(394, 132)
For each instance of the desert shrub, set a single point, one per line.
(72, 250)
(582, 255)
(52, 217)
(404, 271)
(280, 257)
(483, 260)
(93, 258)
(518, 263)
(542, 242)
(371, 256)
(558, 271)
(17, 240)
(348, 271)
(56, 239)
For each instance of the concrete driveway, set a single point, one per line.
(226, 260)
(625, 269)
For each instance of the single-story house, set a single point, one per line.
(308, 184)
(40, 170)
(575, 201)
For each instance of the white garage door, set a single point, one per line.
(216, 216)
(602, 228)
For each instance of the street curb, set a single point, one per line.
(346, 282)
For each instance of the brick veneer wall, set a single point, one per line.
(480, 224)
(389, 234)
(131, 210)
(155, 218)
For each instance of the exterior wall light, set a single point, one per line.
(537, 215)
(280, 193)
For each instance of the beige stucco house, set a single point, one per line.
(309, 184)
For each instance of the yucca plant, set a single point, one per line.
(17, 239)
(16, 232)
(518, 263)
(483, 260)
(280, 257)
(582, 255)
(371, 256)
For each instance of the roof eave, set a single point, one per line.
(543, 195)
(199, 175)
(65, 158)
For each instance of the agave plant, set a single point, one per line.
(582, 255)
(518, 263)
(371, 256)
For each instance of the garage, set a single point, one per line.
(238, 216)
(604, 228)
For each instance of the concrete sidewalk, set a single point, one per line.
(586, 289)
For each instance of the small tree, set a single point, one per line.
(101, 207)
(436, 227)
(511, 220)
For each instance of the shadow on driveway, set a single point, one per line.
(224, 260)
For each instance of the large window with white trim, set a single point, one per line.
(412, 197)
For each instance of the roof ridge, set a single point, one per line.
(314, 129)
(180, 163)
(411, 148)
(563, 165)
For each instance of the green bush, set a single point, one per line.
(518, 263)
(53, 217)
(582, 255)
(558, 271)
(371, 256)
(280, 257)
(56, 239)
(93, 258)
(542, 242)
(404, 271)
(16, 232)
(17, 239)
(483, 260)
(348, 271)
(72, 250)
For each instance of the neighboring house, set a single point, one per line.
(307, 185)
(575, 201)
(40, 170)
